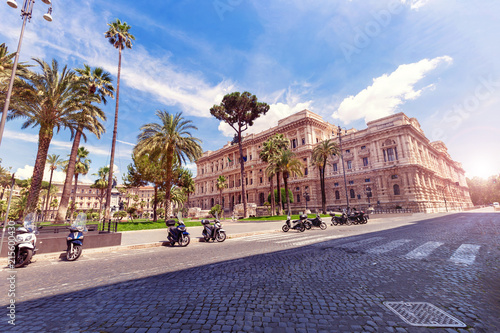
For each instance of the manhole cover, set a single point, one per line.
(423, 314)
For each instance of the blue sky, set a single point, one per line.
(350, 61)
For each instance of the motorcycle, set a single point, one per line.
(74, 241)
(359, 217)
(25, 245)
(214, 232)
(340, 218)
(316, 222)
(177, 234)
(296, 224)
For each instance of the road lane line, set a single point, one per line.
(423, 250)
(388, 246)
(465, 254)
(316, 240)
(294, 239)
(360, 242)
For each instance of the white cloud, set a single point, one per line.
(388, 92)
(415, 4)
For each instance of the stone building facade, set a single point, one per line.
(390, 164)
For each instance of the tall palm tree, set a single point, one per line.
(172, 143)
(5, 180)
(82, 167)
(186, 181)
(95, 87)
(101, 184)
(271, 149)
(320, 155)
(289, 166)
(49, 100)
(54, 162)
(221, 185)
(120, 38)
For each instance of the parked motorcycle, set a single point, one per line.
(213, 232)
(25, 246)
(340, 218)
(177, 234)
(296, 224)
(316, 222)
(359, 217)
(74, 240)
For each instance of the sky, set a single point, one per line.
(350, 61)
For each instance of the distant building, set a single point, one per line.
(390, 164)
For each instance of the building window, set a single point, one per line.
(363, 147)
(337, 195)
(347, 151)
(305, 172)
(294, 143)
(365, 161)
(349, 165)
(353, 195)
(351, 182)
(298, 197)
(261, 180)
(396, 189)
(391, 154)
(335, 167)
(303, 141)
(367, 180)
(394, 176)
(336, 184)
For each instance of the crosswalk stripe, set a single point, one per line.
(360, 242)
(262, 236)
(295, 239)
(316, 240)
(423, 250)
(388, 247)
(465, 254)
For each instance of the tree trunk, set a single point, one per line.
(44, 138)
(74, 199)
(63, 205)
(242, 172)
(280, 206)
(155, 202)
(285, 180)
(273, 199)
(48, 196)
(113, 143)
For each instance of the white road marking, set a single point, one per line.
(388, 246)
(316, 240)
(294, 239)
(360, 242)
(423, 250)
(465, 254)
(260, 237)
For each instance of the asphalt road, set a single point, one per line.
(335, 280)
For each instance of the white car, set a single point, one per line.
(496, 204)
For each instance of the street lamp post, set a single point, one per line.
(26, 15)
(343, 167)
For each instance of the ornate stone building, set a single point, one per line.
(388, 165)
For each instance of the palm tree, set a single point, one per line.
(186, 181)
(101, 184)
(221, 185)
(54, 161)
(120, 38)
(82, 167)
(171, 143)
(320, 156)
(48, 99)
(272, 148)
(96, 86)
(288, 165)
(5, 180)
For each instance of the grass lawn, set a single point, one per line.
(279, 217)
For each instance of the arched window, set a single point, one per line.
(396, 189)
(337, 195)
(353, 195)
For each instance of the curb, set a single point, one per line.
(62, 254)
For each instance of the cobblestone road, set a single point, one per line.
(337, 285)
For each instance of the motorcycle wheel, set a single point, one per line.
(184, 240)
(307, 225)
(302, 228)
(322, 226)
(285, 228)
(23, 257)
(365, 219)
(348, 222)
(74, 252)
(221, 236)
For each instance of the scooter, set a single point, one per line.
(214, 232)
(25, 246)
(340, 218)
(74, 240)
(316, 222)
(296, 224)
(359, 217)
(177, 234)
